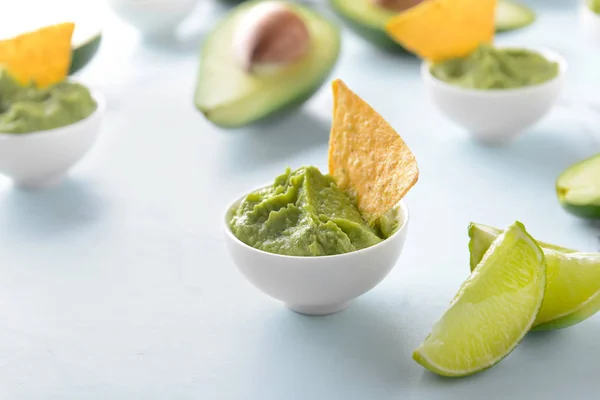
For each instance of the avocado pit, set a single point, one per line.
(270, 34)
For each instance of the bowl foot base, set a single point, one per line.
(33, 184)
(318, 309)
(493, 140)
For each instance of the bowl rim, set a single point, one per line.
(227, 229)
(100, 108)
(546, 52)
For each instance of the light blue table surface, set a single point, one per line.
(117, 284)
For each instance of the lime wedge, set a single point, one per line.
(578, 188)
(493, 310)
(511, 15)
(573, 280)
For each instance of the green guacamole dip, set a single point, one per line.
(594, 5)
(304, 213)
(491, 68)
(26, 109)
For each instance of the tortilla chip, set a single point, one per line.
(41, 56)
(367, 157)
(438, 30)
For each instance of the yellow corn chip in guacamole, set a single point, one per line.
(437, 30)
(42, 56)
(367, 157)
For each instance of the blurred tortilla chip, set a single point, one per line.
(437, 30)
(42, 56)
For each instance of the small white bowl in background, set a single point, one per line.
(316, 285)
(590, 23)
(498, 115)
(153, 17)
(39, 159)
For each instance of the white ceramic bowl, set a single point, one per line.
(498, 115)
(317, 285)
(39, 159)
(153, 17)
(590, 23)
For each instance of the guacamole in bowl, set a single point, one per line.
(490, 68)
(26, 109)
(37, 152)
(493, 99)
(304, 213)
(311, 274)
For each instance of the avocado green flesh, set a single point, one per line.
(511, 15)
(230, 97)
(367, 20)
(364, 11)
(578, 188)
(304, 213)
(84, 52)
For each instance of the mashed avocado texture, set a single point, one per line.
(304, 213)
(491, 68)
(25, 109)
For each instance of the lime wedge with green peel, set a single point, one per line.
(493, 310)
(511, 15)
(593, 5)
(578, 188)
(573, 280)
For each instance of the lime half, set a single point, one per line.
(493, 310)
(578, 188)
(573, 280)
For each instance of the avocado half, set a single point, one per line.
(230, 97)
(368, 20)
